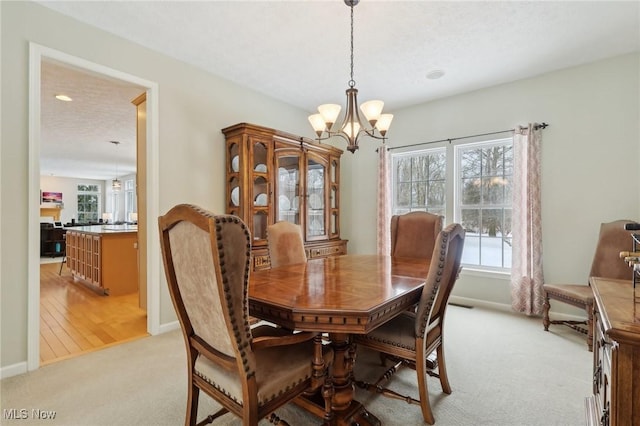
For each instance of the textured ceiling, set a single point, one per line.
(76, 135)
(298, 51)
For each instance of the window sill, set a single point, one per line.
(476, 272)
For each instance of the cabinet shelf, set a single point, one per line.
(52, 242)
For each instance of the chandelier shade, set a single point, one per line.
(375, 124)
(116, 185)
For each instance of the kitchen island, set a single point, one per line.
(104, 257)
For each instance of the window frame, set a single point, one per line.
(130, 202)
(394, 178)
(97, 193)
(453, 187)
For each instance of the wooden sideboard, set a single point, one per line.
(616, 354)
(104, 257)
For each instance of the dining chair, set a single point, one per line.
(410, 337)
(286, 244)
(606, 263)
(249, 371)
(414, 234)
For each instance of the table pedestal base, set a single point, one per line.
(355, 414)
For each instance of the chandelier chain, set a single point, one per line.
(352, 82)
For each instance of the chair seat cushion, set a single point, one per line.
(272, 377)
(399, 332)
(575, 292)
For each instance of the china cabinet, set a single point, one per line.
(275, 176)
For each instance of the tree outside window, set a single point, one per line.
(420, 182)
(88, 197)
(484, 201)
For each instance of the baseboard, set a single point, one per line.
(466, 301)
(170, 326)
(13, 370)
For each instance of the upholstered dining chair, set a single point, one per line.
(612, 239)
(250, 372)
(414, 234)
(286, 244)
(410, 337)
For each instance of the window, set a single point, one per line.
(129, 199)
(88, 203)
(469, 183)
(420, 181)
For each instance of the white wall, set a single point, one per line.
(193, 107)
(69, 189)
(590, 158)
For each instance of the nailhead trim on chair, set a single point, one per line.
(242, 341)
(224, 391)
(266, 400)
(440, 271)
(563, 297)
(390, 343)
(219, 220)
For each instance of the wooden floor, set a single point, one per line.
(74, 319)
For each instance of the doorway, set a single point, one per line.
(39, 55)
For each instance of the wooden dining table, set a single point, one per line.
(340, 296)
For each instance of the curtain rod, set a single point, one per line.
(536, 127)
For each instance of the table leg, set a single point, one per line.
(347, 411)
(339, 388)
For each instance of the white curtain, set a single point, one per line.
(384, 202)
(526, 267)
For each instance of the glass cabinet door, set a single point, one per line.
(260, 196)
(287, 200)
(234, 206)
(334, 197)
(316, 183)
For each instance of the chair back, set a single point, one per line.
(613, 239)
(286, 244)
(442, 275)
(414, 234)
(206, 260)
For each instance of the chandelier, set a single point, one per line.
(116, 184)
(352, 126)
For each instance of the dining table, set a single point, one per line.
(338, 296)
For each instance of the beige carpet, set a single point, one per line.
(503, 368)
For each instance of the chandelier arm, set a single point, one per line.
(371, 133)
(339, 133)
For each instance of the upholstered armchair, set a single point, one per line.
(250, 372)
(613, 239)
(414, 234)
(286, 244)
(410, 337)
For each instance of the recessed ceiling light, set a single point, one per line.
(63, 98)
(435, 74)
